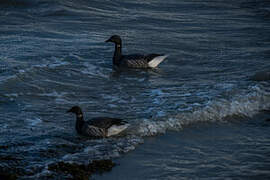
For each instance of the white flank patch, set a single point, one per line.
(156, 61)
(113, 130)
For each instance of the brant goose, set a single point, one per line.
(133, 60)
(98, 127)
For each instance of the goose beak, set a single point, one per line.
(109, 40)
(68, 111)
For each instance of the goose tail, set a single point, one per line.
(116, 129)
(156, 61)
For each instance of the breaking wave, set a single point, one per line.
(218, 110)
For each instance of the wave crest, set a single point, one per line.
(241, 105)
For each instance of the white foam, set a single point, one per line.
(34, 121)
(217, 110)
(94, 70)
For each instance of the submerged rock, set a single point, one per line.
(4, 147)
(7, 176)
(261, 76)
(81, 171)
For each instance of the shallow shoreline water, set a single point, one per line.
(236, 149)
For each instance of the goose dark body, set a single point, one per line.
(98, 127)
(105, 122)
(133, 60)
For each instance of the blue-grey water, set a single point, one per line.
(196, 116)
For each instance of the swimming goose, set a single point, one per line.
(98, 127)
(133, 60)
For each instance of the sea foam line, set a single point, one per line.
(217, 110)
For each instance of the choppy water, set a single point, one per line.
(53, 56)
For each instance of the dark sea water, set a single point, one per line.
(199, 115)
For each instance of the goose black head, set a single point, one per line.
(115, 39)
(75, 109)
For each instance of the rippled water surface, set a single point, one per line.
(53, 56)
(234, 150)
